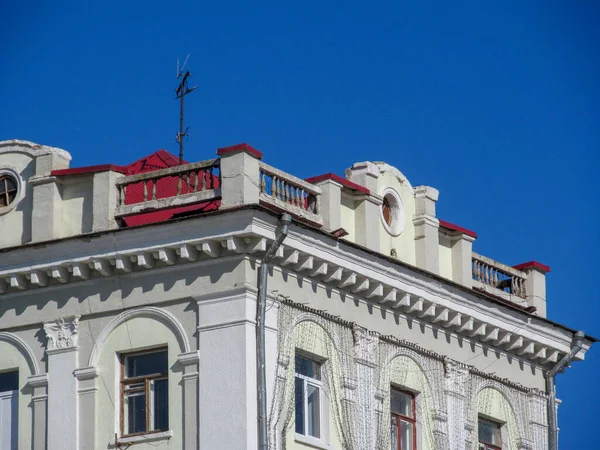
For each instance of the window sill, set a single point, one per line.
(161, 435)
(311, 441)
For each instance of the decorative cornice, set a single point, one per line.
(395, 288)
(62, 333)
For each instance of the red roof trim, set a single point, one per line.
(533, 265)
(243, 147)
(452, 227)
(88, 170)
(346, 183)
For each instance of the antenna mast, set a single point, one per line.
(181, 91)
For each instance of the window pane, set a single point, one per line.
(135, 413)
(146, 364)
(9, 381)
(307, 367)
(401, 403)
(489, 432)
(406, 431)
(160, 390)
(314, 411)
(394, 432)
(299, 400)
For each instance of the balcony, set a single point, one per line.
(499, 279)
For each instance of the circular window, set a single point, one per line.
(10, 185)
(392, 212)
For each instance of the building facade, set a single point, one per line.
(128, 312)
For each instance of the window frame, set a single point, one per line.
(400, 417)
(486, 445)
(320, 384)
(147, 379)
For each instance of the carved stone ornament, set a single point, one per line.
(456, 374)
(62, 333)
(365, 344)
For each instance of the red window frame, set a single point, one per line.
(400, 417)
(486, 445)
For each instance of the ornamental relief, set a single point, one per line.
(62, 333)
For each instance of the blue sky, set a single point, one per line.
(496, 104)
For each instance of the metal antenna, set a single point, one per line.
(181, 91)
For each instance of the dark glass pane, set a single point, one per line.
(146, 364)
(307, 367)
(161, 405)
(11, 184)
(401, 403)
(9, 381)
(135, 405)
(299, 401)
(489, 432)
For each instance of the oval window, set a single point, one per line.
(392, 212)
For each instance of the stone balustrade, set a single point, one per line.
(167, 188)
(499, 276)
(288, 193)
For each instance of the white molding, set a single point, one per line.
(25, 350)
(148, 311)
(342, 260)
(150, 437)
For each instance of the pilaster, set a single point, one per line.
(427, 239)
(538, 420)
(457, 377)
(63, 405)
(86, 393)
(39, 385)
(240, 175)
(366, 358)
(189, 362)
(104, 200)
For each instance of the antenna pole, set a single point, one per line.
(181, 91)
(181, 132)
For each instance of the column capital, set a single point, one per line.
(62, 333)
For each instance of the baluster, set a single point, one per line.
(263, 184)
(513, 285)
(203, 185)
(154, 183)
(274, 190)
(496, 277)
(294, 196)
(120, 192)
(196, 180)
(145, 191)
(211, 179)
(486, 274)
(179, 184)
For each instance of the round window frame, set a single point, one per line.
(9, 171)
(397, 211)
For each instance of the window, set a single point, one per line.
(403, 426)
(144, 392)
(8, 190)
(393, 215)
(9, 396)
(489, 435)
(308, 397)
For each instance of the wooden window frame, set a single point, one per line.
(6, 192)
(400, 417)
(487, 445)
(135, 380)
